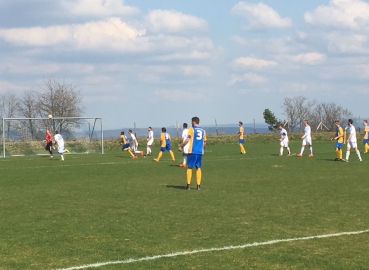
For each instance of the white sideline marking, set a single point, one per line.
(256, 244)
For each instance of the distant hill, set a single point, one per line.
(222, 129)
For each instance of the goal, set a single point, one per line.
(24, 136)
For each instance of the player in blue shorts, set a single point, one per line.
(126, 144)
(197, 141)
(165, 140)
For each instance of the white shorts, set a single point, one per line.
(185, 149)
(150, 142)
(134, 147)
(307, 141)
(60, 148)
(351, 144)
(284, 143)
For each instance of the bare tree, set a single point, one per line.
(304, 109)
(60, 100)
(327, 113)
(299, 108)
(28, 109)
(291, 113)
(9, 108)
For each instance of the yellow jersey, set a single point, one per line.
(366, 130)
(339, 132)
(164, 139)
(240, 133)
(124, 139)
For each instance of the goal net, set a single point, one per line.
(25, 136)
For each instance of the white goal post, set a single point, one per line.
(25, 136)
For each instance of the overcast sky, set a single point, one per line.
(156, 62)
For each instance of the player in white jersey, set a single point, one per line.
(134, 145)
(58, 139)
(185, 148)
(150, 141)
(283, 140)
(351, 141)
(306, 139)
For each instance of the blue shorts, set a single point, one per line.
(125, 146)
(166, 148)
(194, 160)
(240, 141)
(339, 145)
(365, 141)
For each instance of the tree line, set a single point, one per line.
(320, 115)
(54, 97)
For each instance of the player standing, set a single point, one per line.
(134, 145)
(283, 140)
(351, 141)
(197, 141)
(339, 140)
(366, 136)
(185, 149)
(165, 140)
(306, 140)
(150, 141)
(49, 142)
(240, 137)
(60, 141)
(126, 144)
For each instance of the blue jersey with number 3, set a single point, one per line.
(197, 138)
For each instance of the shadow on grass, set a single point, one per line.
(119, 156)
(329, 159)
(177, 187)
(175, 165)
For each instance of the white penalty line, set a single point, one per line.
(182, 253)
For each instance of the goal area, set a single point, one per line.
(25, 136)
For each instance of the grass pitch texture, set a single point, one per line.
(101, 208)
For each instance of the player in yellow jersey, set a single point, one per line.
(165, 140)
(126, 144)
(366, 136)
(339, 140)
(197, 141)
(240, 137)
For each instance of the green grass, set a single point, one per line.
(99, 208)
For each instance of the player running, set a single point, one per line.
(283, 140)
(351, 141)
(306, 140)
(58, 139)
(126, 144)
(134, 145)
(165, 140)
(49, 142)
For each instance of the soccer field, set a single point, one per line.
(108, 209)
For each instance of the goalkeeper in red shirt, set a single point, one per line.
(49, 142)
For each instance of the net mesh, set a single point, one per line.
(26, 136)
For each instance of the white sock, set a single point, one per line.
(311, 149)
(288, 149)
(137, 152)
(358, 154)
(148, 151)
(281, 151)
(184, 159)
(347, 155)
(302, 150)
